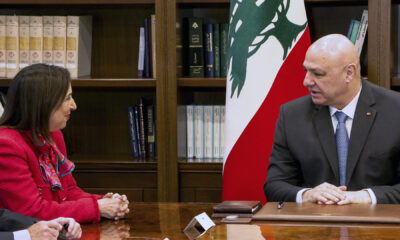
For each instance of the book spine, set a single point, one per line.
(142, 127)
(12, 46)
(153, 45)
(59, 40)
(48, 40)
(208, 132)
(216, 42)
(362, 32)
(350, 30)
(23, 41)
(137, 127)
(84, 63)
(195, 47)
(221, 148)
(72, 45)
(354, 31)
(146, 49)
(224, 48)
(3, 46)
(208, 50)
(179, 50)
(190, 131)
(151, 127)
(35, 39)
(141, 53)
(199, 132)
(132, 132)
(216, 131)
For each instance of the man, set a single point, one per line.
(325, 157)
(37, 230)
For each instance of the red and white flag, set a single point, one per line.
(267, 44)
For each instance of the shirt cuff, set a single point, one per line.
(299, 196)
(371, 194)
(22, 235)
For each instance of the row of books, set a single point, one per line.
(64, 41)
(147, 48)
(205, 48)
(142, 129)
(205, 132)
(358, 31)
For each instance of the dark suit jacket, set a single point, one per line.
(304, 151)
(10, 222)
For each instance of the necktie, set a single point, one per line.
(342, 143)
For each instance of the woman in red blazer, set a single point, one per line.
(35, 174)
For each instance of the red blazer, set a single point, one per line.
(23, 190)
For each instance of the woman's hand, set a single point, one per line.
(114, 206)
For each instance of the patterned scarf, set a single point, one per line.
(53, 165)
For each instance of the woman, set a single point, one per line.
(35, 174)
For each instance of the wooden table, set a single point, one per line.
(167, 220)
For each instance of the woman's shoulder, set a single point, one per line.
(9, 133)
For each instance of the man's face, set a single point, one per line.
(325, 79)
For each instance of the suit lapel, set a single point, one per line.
(323, 125)
(364, 117)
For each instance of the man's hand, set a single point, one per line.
(45, 230)
(74, 230)
(325, 193)
(361, 196)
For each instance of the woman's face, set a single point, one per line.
(60, 116)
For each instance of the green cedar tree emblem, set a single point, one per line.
(257, 18)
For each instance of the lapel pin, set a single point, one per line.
(369, 113)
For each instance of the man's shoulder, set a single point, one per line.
(299, 103)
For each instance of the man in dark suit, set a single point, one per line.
(325, 157)
(14, 226)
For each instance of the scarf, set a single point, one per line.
(53, 164)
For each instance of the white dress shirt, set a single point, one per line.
(22, 235)
(349, 110)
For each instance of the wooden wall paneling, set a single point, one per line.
(379, 13)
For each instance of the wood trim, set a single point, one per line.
(77, 2)
(228, 1)
(202, 82)
(379, 13)
(102, 82)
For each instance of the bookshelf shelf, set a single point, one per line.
(114, 82)
(185, 166)
(202, 82)
(112, 165)
(77, 2)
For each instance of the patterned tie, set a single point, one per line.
(342, 143)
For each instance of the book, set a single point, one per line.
(132, 132)
(193, 43)
(198, 116)
(216, 42)
(153, 44)
(208, 132)
(216, 131)
(59, 40)
(2, 46)
(354, 31)
(151, 132)
(137, 127)
(224, 29)
(12, 46)
(1, 109)
(147, 46)
(237, 207)
(362, 32)
(142, 129)
(2, 103)
(190, 131)
(208, 46)
(48, 40)
(221, 143)
(179, 50)
(141, 53)
(350, 30)
(23, 41)
(35, 39)
(79, 45)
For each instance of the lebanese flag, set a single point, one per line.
(267, 45)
